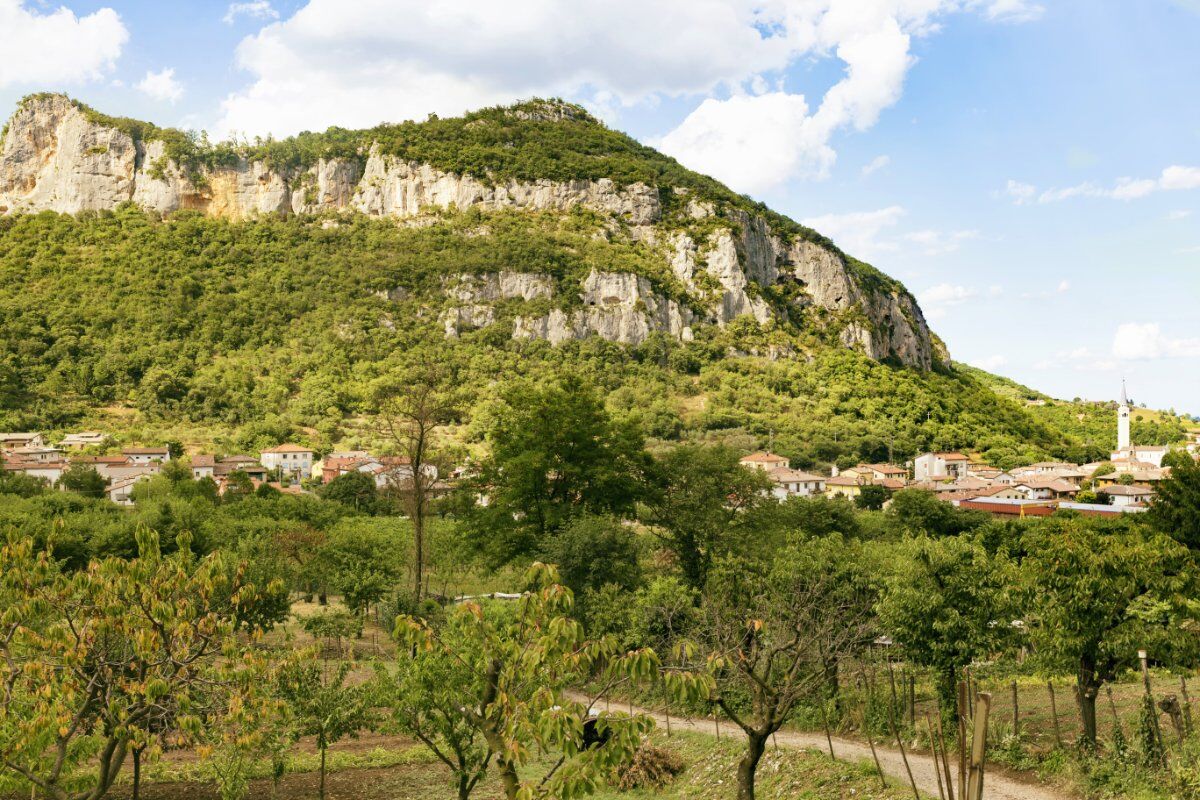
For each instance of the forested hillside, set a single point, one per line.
(236, 295)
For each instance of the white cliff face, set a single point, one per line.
(55, 157)
(618, 306)
(397, 188)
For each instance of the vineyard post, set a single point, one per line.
(1054, 715)
(983, 705)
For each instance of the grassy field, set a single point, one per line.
(373, 770)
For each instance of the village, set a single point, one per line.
(1123, 484)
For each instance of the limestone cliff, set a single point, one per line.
(729, 262)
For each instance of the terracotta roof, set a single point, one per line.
(204, 461)
(1118, 490)
(99, 459)
(886, 469)
(288, 448)
(145, 451)
(763, 457)
(785, 475)
(952, 456)
(843, 480)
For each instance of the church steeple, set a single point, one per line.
(1123, 420)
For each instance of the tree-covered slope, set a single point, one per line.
(252, 331)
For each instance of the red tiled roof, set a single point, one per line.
(288, 448)
(763, 457)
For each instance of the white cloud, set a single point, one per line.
(161, 86)
(359, 62)
(990, 363)
(254, 9)
(937, 300)
(1172, 178)
(1064, 286)
(1136, 341)
(1021, 193)
(57, 47)
(858, 231)
(877, 163)
(1178, 214)
(1009, 10)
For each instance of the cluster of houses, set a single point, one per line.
(284, 467)
(1123, 484)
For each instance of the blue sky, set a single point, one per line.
(1030, 169)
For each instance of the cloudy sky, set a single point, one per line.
(1029, 168)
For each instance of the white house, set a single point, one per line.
(940, 467)
(121, 491)
(764, 460)
(82, 440)
(1121, 496)
(147, 455)
(36, 455)
(794, 483)
(289, 459)
(11, 441)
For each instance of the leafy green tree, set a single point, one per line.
(325, 706)
(917, 511)
(237, 486)
(90, 660)
(768, 632)
(517, 661)
(702, 504)
(84, 480)
(1095, 596)
(1176, 507)
(591, 552)
(947, 601)
(872, 497)
(555, 453)
(362, 565)
(356, 490)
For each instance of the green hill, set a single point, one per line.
(234, 295)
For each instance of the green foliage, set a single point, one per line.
(324, 706)
(555, 453)
(947, 601)
(84, 480)
(591, 552)
(355, 490)
(88, 671)
(1176, 507)
(1098, 594)
(518, 662)
(704, 503)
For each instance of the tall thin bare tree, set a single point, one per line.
(410, 413)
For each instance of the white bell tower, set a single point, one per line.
(1123, 421)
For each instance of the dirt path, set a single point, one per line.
(995, 786)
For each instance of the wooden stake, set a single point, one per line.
(1142, 657)
(1054, 715)
(1112, 704)
(900, 743)
(871, 742)
(962, 739)
(945, 757)
(825, 723)
(1187, 706)
(1016, 712)
(933, 746)
(979, 746)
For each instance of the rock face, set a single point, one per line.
(56, 156)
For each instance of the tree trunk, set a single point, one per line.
(137, 772)
(464, 787)
(321, 791)
(418, 542)
(756, 745)
(1088, 690)
(508, 776)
